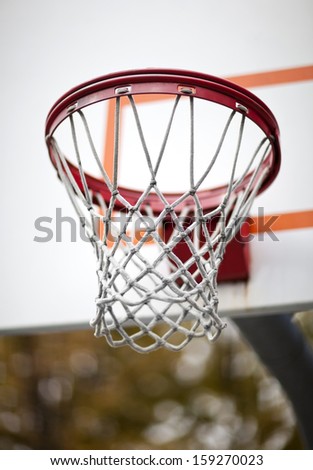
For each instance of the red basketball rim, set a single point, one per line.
(174, 82)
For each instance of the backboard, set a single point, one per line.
(48, 269)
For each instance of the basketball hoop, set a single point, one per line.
(167, 295)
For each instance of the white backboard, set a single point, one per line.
(48, 278)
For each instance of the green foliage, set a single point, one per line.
(72, 391)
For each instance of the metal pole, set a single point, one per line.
(285, 352)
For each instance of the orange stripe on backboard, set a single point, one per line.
(287, 221)
(274, 77)
(109, 140)
(278, 222)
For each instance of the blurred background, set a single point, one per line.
(72, 391)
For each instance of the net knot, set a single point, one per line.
(207, 311)
(158, 317)
(94, 238)
(168, 209)
(223, 206)
(183, 235)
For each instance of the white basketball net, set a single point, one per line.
(145, 302)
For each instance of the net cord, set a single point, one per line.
(193, 292)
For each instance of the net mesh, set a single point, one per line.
(155, 298)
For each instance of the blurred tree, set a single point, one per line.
(72, 391)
